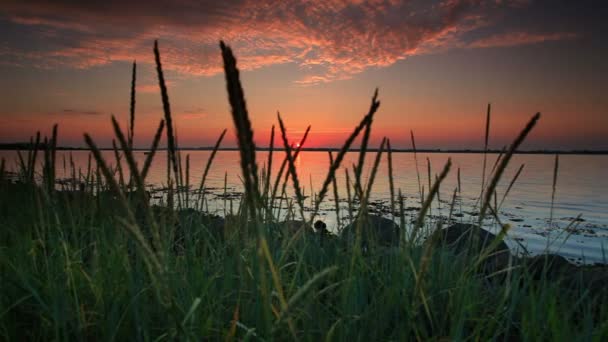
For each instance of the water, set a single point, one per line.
(582, 189)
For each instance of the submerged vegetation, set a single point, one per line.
(99, 261)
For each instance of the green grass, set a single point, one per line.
(104, 264)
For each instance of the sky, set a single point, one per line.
(437, 65)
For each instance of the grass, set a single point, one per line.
(105, 264)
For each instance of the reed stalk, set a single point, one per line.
(243, 127)
(364, 122)
(553, 188)
(503, 165)
(216, 147)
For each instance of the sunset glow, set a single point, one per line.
(437, 65)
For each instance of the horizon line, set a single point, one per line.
(25, 146)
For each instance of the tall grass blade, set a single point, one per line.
(153, 148)
(349, 196)
(292, 168)
(521, 167)
(241, 121)
(372, 176)
(336, 196)
(429, 199)
(269, 171)
(503, 165)
(132, 106)
(121, 179)
(208, 166)
(140, 188)
(553, 188)
(391, 183)
(363, 150)
(283, 166)
(417, 169)
(485, 149)
(155, 266)
(167, 111)
(365, 121)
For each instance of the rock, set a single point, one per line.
(556, 268)
(551, 266)
(189, 224)
(290, 227)
(463, 237)
(375, 230)
(320, 227)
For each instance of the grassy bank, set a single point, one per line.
(98, 261)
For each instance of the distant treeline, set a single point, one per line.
(42, 146)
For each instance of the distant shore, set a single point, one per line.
(27, 146)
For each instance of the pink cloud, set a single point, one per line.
(520, 38)
(339, 38)
(152, 88)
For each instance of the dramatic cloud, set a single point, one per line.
(328, 39)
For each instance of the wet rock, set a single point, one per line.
(469, 238)
(556, 268)
(191, 225)
(291, 227)
(320, 226)
(551, 266)
(375, 230)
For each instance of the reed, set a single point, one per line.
(363, 149)
(151, 260)
(429, 199)
(391, 183)
(117, 157)
(375, 166)
(336, 165)
(417, 170)
(2, 170)
(349, 196)
(167, 111)
(282, 169)
(32, 162)
(503, 165)
(504, 197)
(292, 167)
(335, 188)
(240, 117)
(216, 147)
(553, 188)
(132, 106)
(485, 149)
(140, 188)
(269, 169)
(152, 151)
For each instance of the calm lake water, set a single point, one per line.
(582, 189)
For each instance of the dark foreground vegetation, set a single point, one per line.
(97, 260)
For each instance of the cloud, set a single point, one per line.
(151, 88)
(335, 38)
(193, 113)
(520, 38)
(79, 112)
